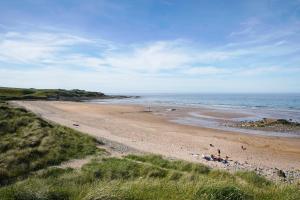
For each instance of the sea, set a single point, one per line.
(278, 106)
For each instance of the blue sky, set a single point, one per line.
(151, 46)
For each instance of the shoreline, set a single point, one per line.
(227, 118)
(145, 131)
(216, 118)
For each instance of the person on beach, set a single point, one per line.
(208, 158)
(213, 157)
(225, 161)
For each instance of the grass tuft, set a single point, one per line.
(253, 178)
(216, 192)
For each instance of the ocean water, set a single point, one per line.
(279, 106)
(286, 106)
(283, 101)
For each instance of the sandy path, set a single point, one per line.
(111, 150)
(147, 132)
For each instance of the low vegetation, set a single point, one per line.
(29, 143)
(175, 165)
(131, 179)
(46, 94)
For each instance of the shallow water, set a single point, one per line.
(249, 106)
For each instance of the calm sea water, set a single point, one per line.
(285, 106)
(284, 101)
(258, 106)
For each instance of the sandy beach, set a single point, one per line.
(153, 132)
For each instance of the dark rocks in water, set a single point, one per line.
(279, 125)
(286, 122)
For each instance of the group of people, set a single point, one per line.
(217, 158)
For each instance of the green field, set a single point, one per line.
(46, 94)
(30, 146)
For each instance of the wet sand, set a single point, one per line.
(153, 132)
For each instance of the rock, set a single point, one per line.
(171, 109)
(281, 173)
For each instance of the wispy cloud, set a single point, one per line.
(205, 70)
(247, 27)
(34, 47)
(60, 56)
(52, 49)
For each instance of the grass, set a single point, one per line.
(46, 94)
(176, 165)
(129, 179)
(29, 143)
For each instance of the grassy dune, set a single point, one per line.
(29, 143)
(154, 178)
(46, 94)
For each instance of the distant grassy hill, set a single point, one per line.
(28, 143)
(47, 94)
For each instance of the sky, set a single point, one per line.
(148, 46)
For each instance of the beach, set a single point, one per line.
(156, 132)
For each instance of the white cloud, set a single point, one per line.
(34, 47)
(57, 60)
(162, 55)
(56, 49)
(152, 58)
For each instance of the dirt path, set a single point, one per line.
(112, 149)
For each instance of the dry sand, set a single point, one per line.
(132, 126)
